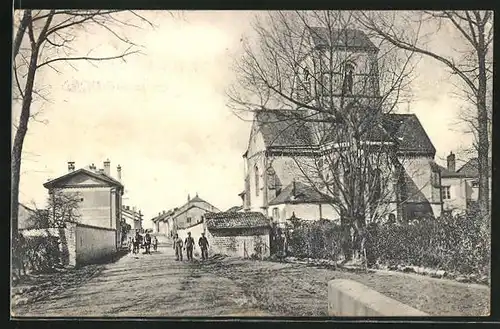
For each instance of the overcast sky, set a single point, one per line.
(163, 116)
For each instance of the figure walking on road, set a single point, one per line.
(203, 243)
(189, 245)
(135, 243)
(147, 243)
(155, 243)
(178, 244)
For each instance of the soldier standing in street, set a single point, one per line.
(189, 245)
(147, 243)
(178, 247)
(203, 243)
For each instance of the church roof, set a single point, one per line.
(288, 128)
(302, 194)
(341, 38)
(283, 128)
(408, 132)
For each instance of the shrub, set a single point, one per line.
(38, 253)
(314, 239)
(450, 243)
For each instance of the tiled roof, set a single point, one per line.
(283, 128)
(287, 128)
(228, 220)
(303, 194)
(341, 38)
(470, 168)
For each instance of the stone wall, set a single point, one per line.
(240, 242)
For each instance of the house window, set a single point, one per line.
(276, 214)
(348, 79)
(189, 220)
(257, 186)
(445, 192)
(475, 183)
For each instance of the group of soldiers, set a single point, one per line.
(139, 241)
(188, 246)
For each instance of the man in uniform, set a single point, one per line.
(178, 244)
(189, 245)
(203, 243)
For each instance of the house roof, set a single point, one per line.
(197, 199)
(231, 220)
(287, 128)
(470, 168)
(445, 172)
(303, 194)
(98, 175)
(322, 36)
(234, 209)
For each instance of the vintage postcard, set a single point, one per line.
(251, 163)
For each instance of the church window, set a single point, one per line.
(348, 78)
(257, 183)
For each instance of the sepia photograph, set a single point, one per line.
(233, 163)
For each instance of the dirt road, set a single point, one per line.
(147, 285)
(157, 285)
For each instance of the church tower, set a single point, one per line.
(339, 76)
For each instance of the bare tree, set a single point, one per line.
(63, 207)
(45, 39)
(317, 71)
(473, 65)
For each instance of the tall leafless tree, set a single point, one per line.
(47, 39)
(472, 65)
(318, 72)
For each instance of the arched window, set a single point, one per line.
(377, 188)
(257, 185)
(348, 78)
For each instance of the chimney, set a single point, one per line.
(71, 166)
(189, 198)
(92, 167)
(107, 167)
(119, 173)
(451, 161)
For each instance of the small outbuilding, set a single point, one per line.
(240, 234)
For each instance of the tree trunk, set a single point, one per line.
(18, 144)
(483, 141)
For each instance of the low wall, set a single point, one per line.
(240, 242)
(94, 243)
(79, 244)
(351, 298)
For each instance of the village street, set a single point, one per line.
(146, 285)
(158, 286)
